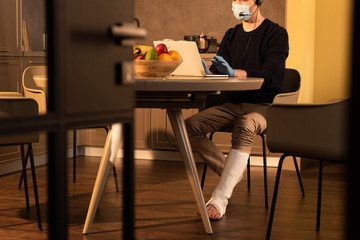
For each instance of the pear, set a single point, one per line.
(151, 54)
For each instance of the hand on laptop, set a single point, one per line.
(222, 66)
(206, 70)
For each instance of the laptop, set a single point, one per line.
(191, 65)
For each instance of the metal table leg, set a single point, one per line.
(178, 125)
(100, 184)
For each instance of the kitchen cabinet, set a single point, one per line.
(9, 153)
(10, 45)
(12, 64)
(10, 27)
(142, 128)
(97, 136)
(162, 136)
(28, 61)
(10, 74)
(11, 69)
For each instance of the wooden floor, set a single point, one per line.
(165, 207)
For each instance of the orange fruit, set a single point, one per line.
(175, 55)
(164, 57)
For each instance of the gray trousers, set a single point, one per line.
(245, 119)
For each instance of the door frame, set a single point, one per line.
(57, 122)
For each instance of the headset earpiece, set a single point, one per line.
(258, 2)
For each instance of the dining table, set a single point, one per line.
(172, 93)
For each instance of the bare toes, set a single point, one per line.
(212, 212)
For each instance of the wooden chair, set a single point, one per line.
(289, 94)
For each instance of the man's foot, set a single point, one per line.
(213, 213)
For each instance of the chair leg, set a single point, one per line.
(25, 161)
(23, 176)
(114, 168)
(74, 160)
(99, 186)
(318, 212)
(276, 189)
(203, 176)
(74, 155)
(299, 176)
(21, 179)
(265, 171)
(115, 179)
(36, 195)
(248, 173)
(205, 166)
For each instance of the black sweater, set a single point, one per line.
(261, 53)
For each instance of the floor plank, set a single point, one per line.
(165, 207)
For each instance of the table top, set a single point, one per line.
(197, 84)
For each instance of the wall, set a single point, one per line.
(332, 49)
(301, 29)
(173, 19)
(320, 34)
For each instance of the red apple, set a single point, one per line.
(161, 48)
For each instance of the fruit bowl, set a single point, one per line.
(155, 68)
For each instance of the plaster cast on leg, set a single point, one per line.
(232, 174)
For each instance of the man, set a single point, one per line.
(256, 47)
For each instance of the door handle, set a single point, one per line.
(126, 31)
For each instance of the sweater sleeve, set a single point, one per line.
(223, 50)
(273, 67)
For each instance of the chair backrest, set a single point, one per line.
(316, 131)
(28, 77)
(292, 81)
(289, 92)
(13, 104)
(31, 90)
(291, 87)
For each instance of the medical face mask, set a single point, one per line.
(241, 12)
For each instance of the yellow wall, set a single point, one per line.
(332, 45)
(300, 20)
(319, 38)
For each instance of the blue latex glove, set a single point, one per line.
(222, 66)
(206, 70)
